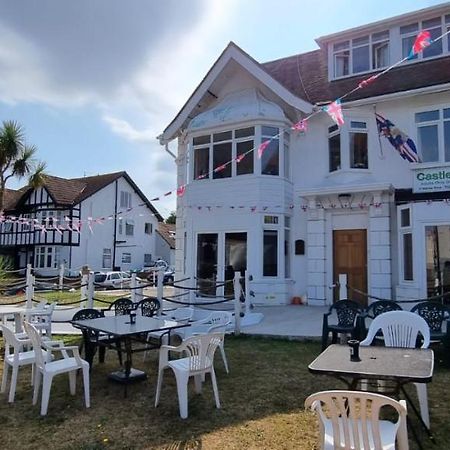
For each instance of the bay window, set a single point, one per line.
(433, 133)
(234, 153)
(46, 257)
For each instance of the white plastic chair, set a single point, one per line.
(401, 329)
(199, 360)
(217, 322)
(47, 369)
(15, 357)
(41, 318)
(350, 420)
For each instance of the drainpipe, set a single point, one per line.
(166, 146)
(115, 230)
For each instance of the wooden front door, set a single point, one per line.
(350, 257)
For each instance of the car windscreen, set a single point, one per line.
(100, 278)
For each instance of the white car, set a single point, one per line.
(112, 280)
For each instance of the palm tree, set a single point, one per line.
(17, 158)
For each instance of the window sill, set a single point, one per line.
(347, 171)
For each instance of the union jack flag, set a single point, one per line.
(399, 140)
(334, 110)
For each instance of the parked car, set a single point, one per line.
(112, 280)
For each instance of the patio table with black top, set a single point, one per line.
(398, 365)
(122, 330)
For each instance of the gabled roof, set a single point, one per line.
(11, 197)
(167, 231)
(69, 192)
(198, 100)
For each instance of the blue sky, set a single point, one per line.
(94, 82)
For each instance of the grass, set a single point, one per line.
(262, 406)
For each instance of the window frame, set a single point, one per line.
(106, 255)
(125, 199)
(126, 258)
(47, 253)
(440, 123)
(405, 230)
(257, 138)
(349, 45)
(352, 129)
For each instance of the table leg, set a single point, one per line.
(127, 364)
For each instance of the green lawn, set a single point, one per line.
(262, 406)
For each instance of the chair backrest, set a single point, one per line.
(201, 349)
(400, 329)
(380, 307)
(11, 340)
(36, 341)
(435, 314)
(122, 306)
(149, 306)
(346, 311)
(87, 313)
(355, 418)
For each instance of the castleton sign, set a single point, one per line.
(433, 179)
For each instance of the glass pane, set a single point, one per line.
(405, 218)
(358, 151)
(221, 155)
(201, 163)
(438, 259)
(447, 141)
(334, 146)
(361, 125)
(244, 132)
(224, 136)
(333, 128)
(436, 22)
(207, 263)
(447, 18)
(428, 143)
(245, 166)
(269, 131)
(235, 258)
(380, 55)
(341, 46)
(409, 28)
(407, 43)
(427, 116)
(380, 36)
(360, 41)
(271, 219)
(287, 256)
(341, 64)
(270, 159)
(447, 113)
(360, 59)
(270, 258)
(435, 48)
(199, 140)
(407, 257)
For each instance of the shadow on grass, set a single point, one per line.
(262, 405)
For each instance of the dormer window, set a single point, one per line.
(409, 33)
(361, 54)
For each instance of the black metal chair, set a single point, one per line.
(121, 306)
(93, 339)
(435, 315)
(373, 310)
(149, 306)
(346, 312)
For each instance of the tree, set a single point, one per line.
(172, 219)
(17, 158)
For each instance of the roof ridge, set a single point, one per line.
(291, 56)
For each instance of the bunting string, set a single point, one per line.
(334, 110)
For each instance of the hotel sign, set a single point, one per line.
(433, 179)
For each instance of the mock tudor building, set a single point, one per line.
(332, 199)
(102, 221)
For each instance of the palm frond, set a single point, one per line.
(11, 140)
(37, 178)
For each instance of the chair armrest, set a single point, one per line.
(52, 345)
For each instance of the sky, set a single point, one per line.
(94, 82)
